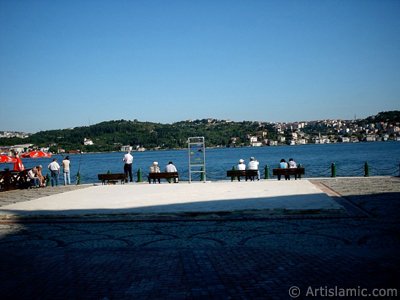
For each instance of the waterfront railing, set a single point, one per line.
(315, 171)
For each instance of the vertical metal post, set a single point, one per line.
(139, 175)
(299, 176)
(190, 169)
(266, 172)
(333, 170)
(366, 170)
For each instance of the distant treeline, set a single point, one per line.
(111, 135)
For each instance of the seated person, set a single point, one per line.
(253, 165)
(170, 168)
(154, 168)
(292, 164)
(241, 166)
(42, 179)
(33, 177)
(283, 165)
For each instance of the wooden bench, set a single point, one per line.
(163, 175)
(247, 174)
(297, 172)
(112, 178)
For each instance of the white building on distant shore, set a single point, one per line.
(126, 148)
(88, 142)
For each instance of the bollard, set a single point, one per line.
(78, 178)
(47, 180)
(233, 169)
(333, 170)
(139, 175)
(366, 170)
(266, 172)
(299, 176)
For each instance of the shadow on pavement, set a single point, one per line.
(220, 259)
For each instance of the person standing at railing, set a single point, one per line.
(54, 168)
(66, 170)
(128, 160)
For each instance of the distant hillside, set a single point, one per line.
(110, 135)
(387, 116)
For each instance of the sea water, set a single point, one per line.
(383, 158)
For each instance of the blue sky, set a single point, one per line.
(72, 63)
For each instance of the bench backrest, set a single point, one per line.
(115, 176)
(163, 175)
(288, 171)
(233, 173)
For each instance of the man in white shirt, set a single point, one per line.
(253, 165)
(241, 166)
(128, 160)
(170, 168)
(54, 168)
(154, 168)
(292, 164)
(33, 177)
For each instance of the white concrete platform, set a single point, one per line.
(181, 197)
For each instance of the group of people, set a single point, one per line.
(38, 180)
(285, 165)
(252, 165)
(36, 177)
(154, 168)
(55, 168)
(170, 168)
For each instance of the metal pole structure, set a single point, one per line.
(333, 170)
(78, 178)
(197, 157)
(233, 169)
(366, 170)
(139, 175)
(190, 171)
(266, 173)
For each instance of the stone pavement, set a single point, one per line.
(220, 196)
(212, 258)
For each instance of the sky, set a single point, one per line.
(74, 63)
